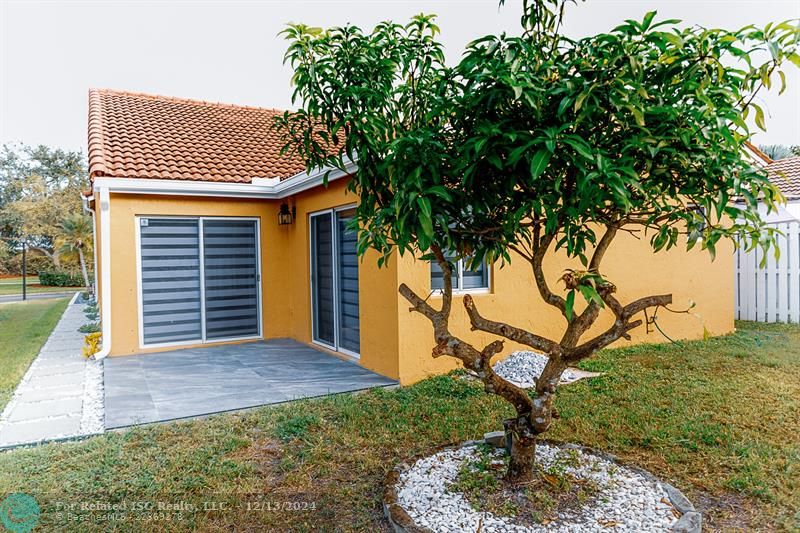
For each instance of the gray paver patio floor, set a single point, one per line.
(200, 381)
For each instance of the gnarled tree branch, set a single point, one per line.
(622, 325)
(584, 321)
(602, 247)
(479, 361)
(538, 275)
(505, 330)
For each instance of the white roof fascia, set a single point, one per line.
(262, 188)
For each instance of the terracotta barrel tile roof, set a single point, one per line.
(785, 175)
(133, 135)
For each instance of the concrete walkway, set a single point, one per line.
(49, 401)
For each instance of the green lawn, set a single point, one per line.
(719, 419)
(23, 329)
(14, 286)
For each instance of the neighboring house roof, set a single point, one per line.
(785, 175)
(133, 135)
(759, 158)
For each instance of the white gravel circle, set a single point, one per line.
(523, 368)
(627, 498)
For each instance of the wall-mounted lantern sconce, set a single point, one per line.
(286, 215)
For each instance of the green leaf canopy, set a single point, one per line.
(539, 135)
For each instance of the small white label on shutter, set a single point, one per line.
(144, 222)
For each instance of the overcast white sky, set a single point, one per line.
(228, 51)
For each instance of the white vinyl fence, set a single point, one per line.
(772, 293)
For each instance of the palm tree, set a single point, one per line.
(76, 236)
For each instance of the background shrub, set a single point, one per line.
(12, 264)
(53, 278)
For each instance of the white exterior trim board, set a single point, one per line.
(288, 187)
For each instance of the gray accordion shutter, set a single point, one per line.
(231, 278)
(170, 261)
(322, 282)
(349, 331)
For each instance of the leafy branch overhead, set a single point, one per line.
(536, 143)
(642, 126)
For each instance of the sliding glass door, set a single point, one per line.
(322, 274)
(334, 282)
(230, 261)
(199, 280)
(170, 280)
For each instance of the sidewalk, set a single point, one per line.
(60, 394)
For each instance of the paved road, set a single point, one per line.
(35, 296)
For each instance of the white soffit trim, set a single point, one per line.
(264, 188)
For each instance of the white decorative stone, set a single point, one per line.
(93, 414)
(631, 499)
(524, 368)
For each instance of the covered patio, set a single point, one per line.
(191, 382)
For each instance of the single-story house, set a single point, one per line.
(206, 234)
(785, 175)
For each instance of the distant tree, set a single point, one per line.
(534, 145)
(777, 151)
(76, 238)
(39, 187)
(6, 253)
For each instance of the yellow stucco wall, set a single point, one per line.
(377, 287)
(285, 250)
(513, 298)
(124, 292)
(395, 342)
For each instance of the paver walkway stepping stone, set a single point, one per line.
(51, 401)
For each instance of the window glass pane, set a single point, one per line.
(437, 281)
(230, 258)
(349, 328)
(170, 261)
(322, 281)
(477, 278)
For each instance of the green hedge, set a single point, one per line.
(59, 279)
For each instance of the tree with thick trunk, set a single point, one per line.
(54, 255)
(39, 187)
(533, 415)
(534, 145)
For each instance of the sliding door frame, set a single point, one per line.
(334, 212)
(201, 251)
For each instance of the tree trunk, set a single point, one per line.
(528, 426)
(83, 270)
(523, 450)
(533, 415)
(52, 256)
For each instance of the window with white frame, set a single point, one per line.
(464, 278)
